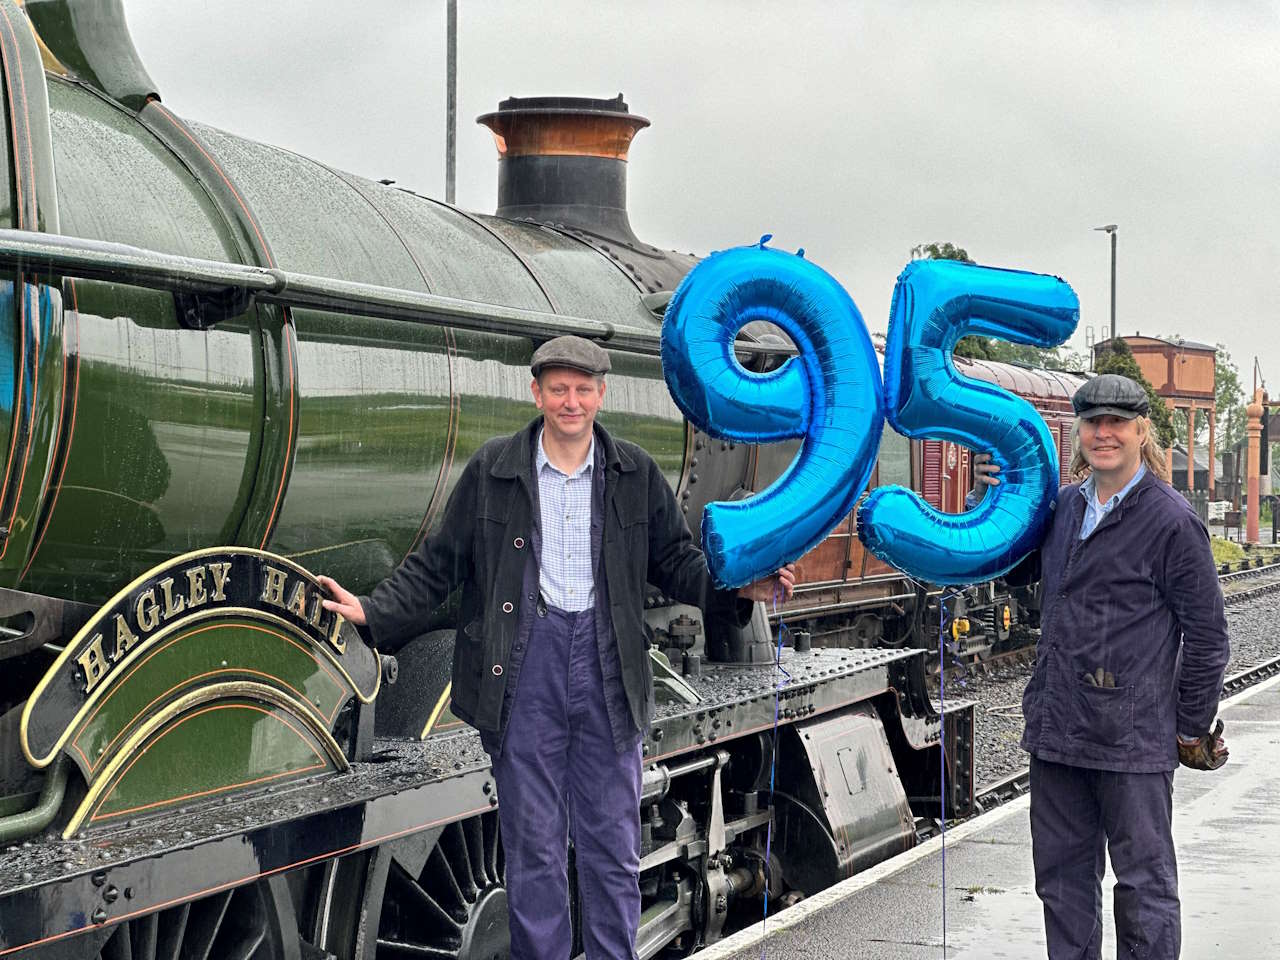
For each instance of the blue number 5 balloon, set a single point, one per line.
(830, 394)
(935, 303)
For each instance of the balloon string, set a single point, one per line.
(942, 754)
(942, 735)
(783, 678)
(942, 749)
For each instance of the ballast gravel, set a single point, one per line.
(1254, 627)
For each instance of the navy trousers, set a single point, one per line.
(1076, 815)
(559, 775)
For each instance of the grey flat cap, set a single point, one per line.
(1111, 395)
(573, 352)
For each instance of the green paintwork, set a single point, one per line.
(275, 363)
(201, 754)
(40, 370)
(181, 437)
(33, 204)
(31, 355)
(206, 619)
(8, 195)
(201, 653)
(93, 43)
(16, 803)
(161, 439)
(9, 346)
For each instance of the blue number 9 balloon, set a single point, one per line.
(829, 395)
(935, 303)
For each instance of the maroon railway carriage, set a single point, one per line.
(879, 602)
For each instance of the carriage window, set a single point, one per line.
(895, 458)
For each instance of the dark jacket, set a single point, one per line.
(481, 546)
(1139, 598)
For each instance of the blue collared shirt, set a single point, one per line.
(1094, 511)
(564, 500)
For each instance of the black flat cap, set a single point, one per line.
(1111, 395)
(573, 352)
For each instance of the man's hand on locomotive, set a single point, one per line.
(1207, 752)
(343, 601)
(777, 587)
(780, 586)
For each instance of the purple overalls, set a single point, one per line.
(560, 776)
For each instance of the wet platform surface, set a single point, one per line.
(1227, 833)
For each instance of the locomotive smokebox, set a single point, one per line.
(563, 160)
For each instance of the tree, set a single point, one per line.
(1001, 351)
(1114, 356)
(940, 251)
(987, 348)
(1228, 402)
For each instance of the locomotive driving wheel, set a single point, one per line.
(253, 922)
(455, 906)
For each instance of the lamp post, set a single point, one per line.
(1111, 228)
(451, 100)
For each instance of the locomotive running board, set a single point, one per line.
(213, 673)
(59, 888)
(219, 284)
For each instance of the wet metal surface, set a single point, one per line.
(1227, 832)
(736, 700)
(409, 786)
(178, 438)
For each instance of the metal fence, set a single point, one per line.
(1199, 500)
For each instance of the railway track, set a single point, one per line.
(1237, 587)
(1240, 585)
(1016, 784)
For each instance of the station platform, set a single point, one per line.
(1227, 833)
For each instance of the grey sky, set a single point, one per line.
(853, 130)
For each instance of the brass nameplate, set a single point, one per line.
(196, 585)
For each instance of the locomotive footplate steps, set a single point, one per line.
(1228, 844)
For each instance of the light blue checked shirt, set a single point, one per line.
(565, 576)
(1095, 511)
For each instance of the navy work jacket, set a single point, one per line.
(483, 544)
(1139, 598)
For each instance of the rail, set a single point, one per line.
(1001, 791)
(1018, 783)
(221, 283)
(1248, 572)
(1231, 597)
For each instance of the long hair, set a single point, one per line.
(1153, 456)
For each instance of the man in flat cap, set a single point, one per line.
(552, 535)
(1132, 650)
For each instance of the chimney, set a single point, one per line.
(563, 160)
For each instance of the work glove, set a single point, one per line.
(1100, 678)
(1208, 752)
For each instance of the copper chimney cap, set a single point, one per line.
(563, 126)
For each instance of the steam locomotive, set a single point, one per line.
(227, 366)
